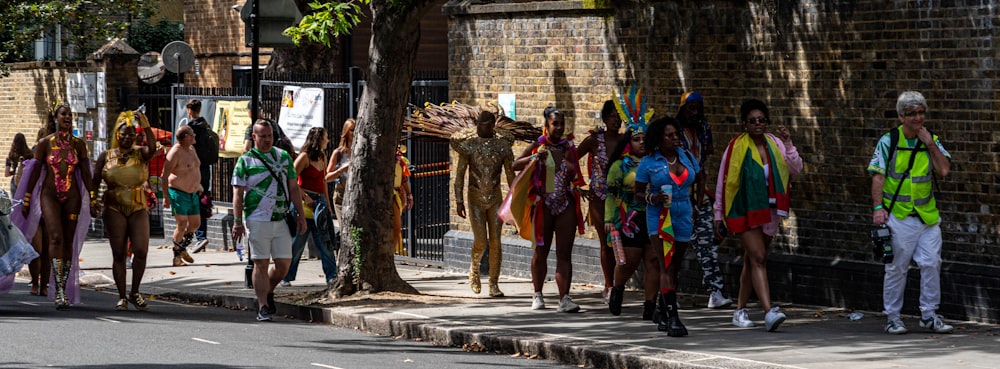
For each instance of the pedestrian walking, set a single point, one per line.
(182, 186)
(206, 145)
(752, 194)
(311, 168)
(265, 187)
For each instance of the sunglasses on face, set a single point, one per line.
(757, 121)
(915, 113)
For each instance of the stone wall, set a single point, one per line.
(830, 71)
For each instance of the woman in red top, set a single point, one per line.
(310, 165)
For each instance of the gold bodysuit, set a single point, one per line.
(125, 174)
(483, 159)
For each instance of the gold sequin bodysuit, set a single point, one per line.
(125, 174)
(483, 158)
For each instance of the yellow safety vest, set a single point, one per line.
(916, 193)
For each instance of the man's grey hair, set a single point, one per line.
(909, 100)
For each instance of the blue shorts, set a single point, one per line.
(681, 218)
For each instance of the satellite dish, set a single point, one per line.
(151, 68)
(178, 57)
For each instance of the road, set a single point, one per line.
(178, 335)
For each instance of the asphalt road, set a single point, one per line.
(179, 335)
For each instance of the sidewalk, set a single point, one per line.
(450, 314)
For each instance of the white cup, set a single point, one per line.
(669, 191)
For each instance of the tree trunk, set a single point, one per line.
(367, 237)
(308, 58)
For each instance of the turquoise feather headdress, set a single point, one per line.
(633, 109)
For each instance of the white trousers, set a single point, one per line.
(913, 240)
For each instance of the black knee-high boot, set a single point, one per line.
(671, 320)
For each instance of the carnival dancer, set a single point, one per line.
(596, 148)
(125, 212)
(555, 205)
(403, 197)
(624, 212)
(58, 191)
(483, 152)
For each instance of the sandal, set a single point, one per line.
(122, 305)
(139, 302)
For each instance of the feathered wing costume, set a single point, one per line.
(29, 225)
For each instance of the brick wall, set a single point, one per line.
(215, 32)
(830, 71)
(33, 87)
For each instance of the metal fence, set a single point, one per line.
(424, 226)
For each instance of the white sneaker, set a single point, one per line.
(773, 319)
(742, 319)
(717, 301)
(285, 284)
(566, 305)
(935, 324)
(536, 301)
(895, 326)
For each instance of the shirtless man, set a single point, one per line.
(182, 180)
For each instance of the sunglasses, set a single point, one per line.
(757, 121)
(915, 113)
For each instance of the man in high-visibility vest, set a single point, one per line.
(902, 199)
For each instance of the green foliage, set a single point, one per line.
(145, 37)
(85, 23)
(326, 21)
(356, 243)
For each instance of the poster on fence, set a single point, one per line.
(230, 121)
(301, 110)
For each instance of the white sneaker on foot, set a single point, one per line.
(536, 301)
(566, 305)
(895, 326)
(773, 319)
(742, 319)
(285, 284)
(717, 301)
(935, 324)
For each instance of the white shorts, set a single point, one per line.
(269, 240)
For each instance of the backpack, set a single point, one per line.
(206, 142)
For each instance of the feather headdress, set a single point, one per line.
(633, 108)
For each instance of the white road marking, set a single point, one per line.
(205, 341)
(325, 366)
(109, 320)
(28, 303)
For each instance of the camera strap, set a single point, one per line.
(894, 136)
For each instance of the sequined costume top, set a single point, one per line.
(596, 163)
(125, 174)
(59, 143)
(484, 158)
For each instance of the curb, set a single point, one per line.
(533, 345)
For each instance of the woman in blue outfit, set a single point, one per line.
(668, 163)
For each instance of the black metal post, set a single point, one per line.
(254, 60)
